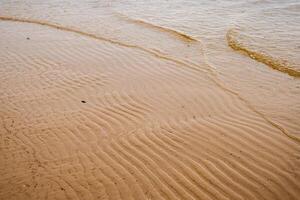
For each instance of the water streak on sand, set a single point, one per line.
(95, 36)
(262, 57)
(185, 37)
(190, 65)
(195, 66)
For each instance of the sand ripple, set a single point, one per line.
(85, 117)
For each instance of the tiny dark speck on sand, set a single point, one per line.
(28, 38)
(83, 101)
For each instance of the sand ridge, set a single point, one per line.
(148, 128)
(157, 54)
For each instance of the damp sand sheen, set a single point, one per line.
(102, 102)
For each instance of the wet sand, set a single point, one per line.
(84, 116)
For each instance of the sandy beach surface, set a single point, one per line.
(149, 100)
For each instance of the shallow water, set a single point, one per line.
(271, 27)
(268, 27)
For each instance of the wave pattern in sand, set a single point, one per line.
(90, 119)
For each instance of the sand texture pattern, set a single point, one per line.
(85, 117)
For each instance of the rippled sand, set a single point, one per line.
(141, 112)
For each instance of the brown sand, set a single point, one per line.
(84, 117)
